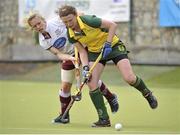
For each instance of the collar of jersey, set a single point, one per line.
(71, 32)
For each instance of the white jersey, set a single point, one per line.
(58, 33)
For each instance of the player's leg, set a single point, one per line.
(120, 58)
(67, 77)
(128, 75)
(97, 98)
(110, 97)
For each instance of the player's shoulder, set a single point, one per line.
(91, 20)
(41, 37)
(56, 21)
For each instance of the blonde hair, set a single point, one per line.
(35, 15)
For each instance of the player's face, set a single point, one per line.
(70, 21)
(38, 24)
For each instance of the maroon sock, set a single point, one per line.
(105, 91)
(64, 103)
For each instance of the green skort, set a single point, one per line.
(118, 52)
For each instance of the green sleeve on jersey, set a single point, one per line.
(91, 20)
(71, 40)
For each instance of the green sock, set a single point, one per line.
(140, 85)
(98, 101)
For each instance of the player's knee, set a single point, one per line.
(92, 85)
(66, 87)
(130, 79)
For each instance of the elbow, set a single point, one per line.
(114, 25)
(55, 53)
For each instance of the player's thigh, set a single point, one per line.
(126, 70)
(67, 72)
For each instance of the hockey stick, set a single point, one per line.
(77, 75)
(80, 89)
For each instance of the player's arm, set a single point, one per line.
(82, 53)
(61, 55)
(97, 22)
(111, 26)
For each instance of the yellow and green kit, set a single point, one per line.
(94, 37)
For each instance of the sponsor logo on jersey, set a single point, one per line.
(60, 42)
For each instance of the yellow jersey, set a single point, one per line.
(91, 34)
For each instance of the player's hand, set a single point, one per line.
(76, 63)
(86, 74)
(106, 50)
(74, 60)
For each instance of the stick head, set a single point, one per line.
(77, 97)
